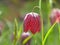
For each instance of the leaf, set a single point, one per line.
(59, 30)
(40, 4)
(15, 31)
(20, 31)
(26, 40)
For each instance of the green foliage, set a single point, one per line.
(51, 34)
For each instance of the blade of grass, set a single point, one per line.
(20, 31)
(59, 30)
(40, 2)
(15, 30)
(49, 6)
(25, 41)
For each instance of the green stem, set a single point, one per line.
(40, 1)
(35, 7)
(59, 30)
(42, 30)
(40, 4)
(49, 31)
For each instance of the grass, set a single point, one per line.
(50, 37)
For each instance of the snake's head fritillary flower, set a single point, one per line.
(32, 22)
(24, 36)
(55, 16)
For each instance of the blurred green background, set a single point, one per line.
(11, 9)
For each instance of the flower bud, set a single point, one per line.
(24, 36)
(55, 16)
(32, 22)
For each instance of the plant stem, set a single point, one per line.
(40, 1)
(59, 30)
(35, 7)
(42, 34)
(49, 31)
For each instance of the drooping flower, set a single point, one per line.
(24, 36)
(32, 22)
(55, 16)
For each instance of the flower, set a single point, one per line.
(32, 22)
(24, 36)
(55, 16)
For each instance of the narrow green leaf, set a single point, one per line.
(59, 30)
(25, 41)
(16, 23)
(15, 31)
(20, 31)
(40, 4)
